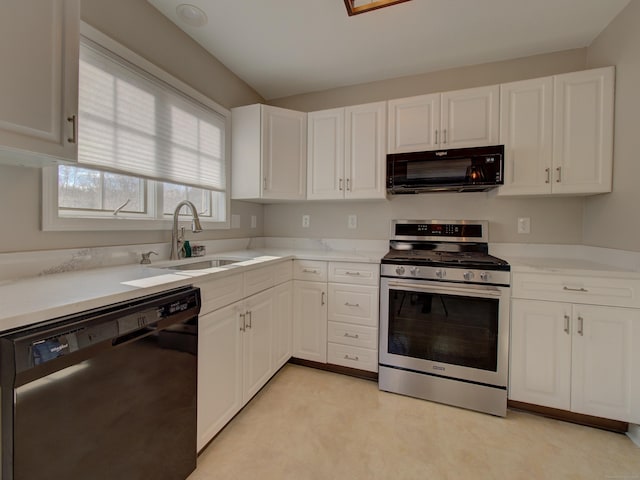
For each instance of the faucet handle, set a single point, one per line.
(145, 257)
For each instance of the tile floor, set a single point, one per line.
(316, 425)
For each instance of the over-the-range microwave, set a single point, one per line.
(475, 169)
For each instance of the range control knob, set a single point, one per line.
(441, 273)
(400, 270)
(468, 276)
(484, 276)
(414, 271)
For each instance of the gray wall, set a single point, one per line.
(553, 220)
(141, 28)
(612, 220)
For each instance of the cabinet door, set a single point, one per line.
(540, 370)
(219, 370)
(284, 153)
(365, 151)
(526, 121)
(325, 154)
(310, 321)
(606, 362)
(413, 123)
(282, 324)
(583, 131)
(470, 117)
(258, 342)
(39, 78)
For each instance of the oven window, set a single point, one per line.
(457, 330)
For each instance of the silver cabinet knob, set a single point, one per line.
(400, 270)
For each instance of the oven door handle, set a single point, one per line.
(470, 291)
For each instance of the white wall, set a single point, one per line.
(613, 220)
(553, 220)
(141, 28)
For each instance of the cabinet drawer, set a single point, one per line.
(258, 280)
(577, 289)
(310, 270)
(353, 304)
(282, 272)
(354, 357)
(220, 292)
(359, 273)
(354, 335)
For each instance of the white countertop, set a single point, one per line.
(32, 300)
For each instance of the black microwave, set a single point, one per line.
(475, 169)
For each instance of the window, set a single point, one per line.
(145, 143)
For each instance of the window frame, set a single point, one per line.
(52, 221)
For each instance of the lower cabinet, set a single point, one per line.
(240, 347)
(310, 320)
(577, 357)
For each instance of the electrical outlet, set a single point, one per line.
(352, 221)
(524, 225)
(254, 221)
(306, 221)
(235, 221)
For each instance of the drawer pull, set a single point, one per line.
(355, 305)
(243, 328)
(574, 289)
(322, 302)
(352, 274)
(566, 324)
(349, 335)
(348, 357)
(309, 270)
(580, 326)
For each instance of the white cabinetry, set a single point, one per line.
(310, 310)
(558, 134)
(462, 118)
(580, 354)
(242, 342)
(268, 153)
(39, 81)
(346, 152)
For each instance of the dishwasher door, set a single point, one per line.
(105, 395)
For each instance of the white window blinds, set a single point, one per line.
(131, 122)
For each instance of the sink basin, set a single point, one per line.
(216, 262)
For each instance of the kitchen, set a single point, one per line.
(603, 221)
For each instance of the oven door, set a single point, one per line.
(452, 330)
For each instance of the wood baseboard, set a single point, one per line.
(354, 372)
(555, 413)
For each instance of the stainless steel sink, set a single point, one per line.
(216, 262)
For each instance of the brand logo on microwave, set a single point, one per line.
(441, 154)
(437, 367)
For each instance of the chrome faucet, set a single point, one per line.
(176, 239)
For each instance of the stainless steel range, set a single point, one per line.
(444, 315)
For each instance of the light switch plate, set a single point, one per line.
(254, 221)
(235, 221)
(352, 221)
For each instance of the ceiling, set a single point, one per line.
(289, 47)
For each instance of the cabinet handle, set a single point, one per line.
(348, 186)
(559, 170)
(243, 328)
(264, 183)
(348, 357)
(353, 274)
(355, 305)
(249, 315)
(348, 335)
(436, 137)
(566, 324)
(575, 289)
(74, 129)
(548, 172)
(444, 134)
(322, 302)
(340, 185)
(580, 325)
(309, 270)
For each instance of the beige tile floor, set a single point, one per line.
(310, 424)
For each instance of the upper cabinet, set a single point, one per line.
(268, 153)
(346, 153)
(558, 134)
(39, 81)
(457, 119)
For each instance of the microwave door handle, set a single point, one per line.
(471, 291)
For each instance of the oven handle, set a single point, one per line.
(470, 291)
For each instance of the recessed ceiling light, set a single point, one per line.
(192, 15)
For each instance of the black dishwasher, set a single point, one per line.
(108, 393)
